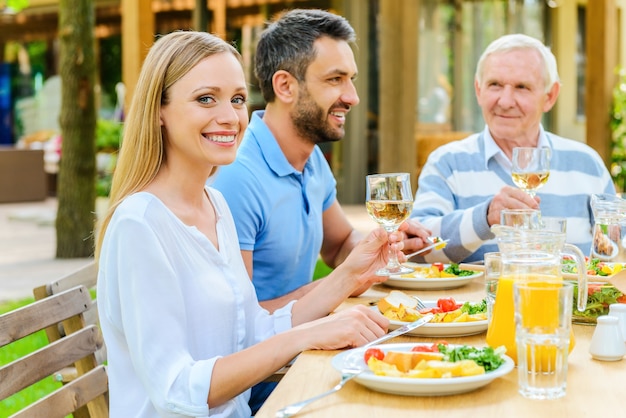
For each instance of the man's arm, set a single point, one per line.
(339, 236)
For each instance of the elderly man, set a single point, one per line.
(465, 184)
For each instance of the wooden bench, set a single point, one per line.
(86, 276)
(86, 395)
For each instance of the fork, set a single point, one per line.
(429, 247)
(347, 374)
(420, 304)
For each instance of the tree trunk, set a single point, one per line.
(76, 181)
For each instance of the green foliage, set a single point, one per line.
(17, 5)
(618, 128)
(108, 135)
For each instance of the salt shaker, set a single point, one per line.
(607, 343)
(618, 310)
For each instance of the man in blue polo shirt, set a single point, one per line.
(280, 189)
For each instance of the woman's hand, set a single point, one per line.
(371, 254)
(345, 329)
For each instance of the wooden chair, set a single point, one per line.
(86, 394)
(86, 276)
(427, 142)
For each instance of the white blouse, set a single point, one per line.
(170, 305)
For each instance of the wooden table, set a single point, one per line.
(594, 388)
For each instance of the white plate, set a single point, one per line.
(433, 283)
(445, 329)
(417, 386)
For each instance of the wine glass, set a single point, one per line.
(531, 168)
(389, 200)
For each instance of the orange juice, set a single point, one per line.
(541, 312)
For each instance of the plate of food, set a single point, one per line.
(422, 369)
(452, 318)
(434, 276)
(597, 270)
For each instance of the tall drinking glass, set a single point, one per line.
(389, 200)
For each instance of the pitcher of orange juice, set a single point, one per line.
(529, 255)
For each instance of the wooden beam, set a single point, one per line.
(137, 38)
(398, 86)
(601, 77)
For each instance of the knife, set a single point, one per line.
(402, 330)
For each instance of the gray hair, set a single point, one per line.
(287, 44)
(515, 41)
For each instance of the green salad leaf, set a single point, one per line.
(487, 357)
(474, 308)
(454, 269)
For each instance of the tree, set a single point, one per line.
(76, 181)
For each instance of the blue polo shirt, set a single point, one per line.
(277, 209)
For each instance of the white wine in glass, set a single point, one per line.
(531, 168)
(389, 201)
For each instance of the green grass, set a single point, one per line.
(16, 350)
(321, 270)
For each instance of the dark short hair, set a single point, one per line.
(287, 44)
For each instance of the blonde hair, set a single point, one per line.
(142, 151)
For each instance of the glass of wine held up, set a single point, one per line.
(531, 168)
(389, 201)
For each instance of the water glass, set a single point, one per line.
(543, 318)
(493, 266)
(520, 218)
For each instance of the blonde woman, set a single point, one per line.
(184, 331)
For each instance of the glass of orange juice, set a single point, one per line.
(543, 318)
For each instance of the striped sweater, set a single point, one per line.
(460, 179)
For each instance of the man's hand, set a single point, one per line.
(415, 235)
(509, 198)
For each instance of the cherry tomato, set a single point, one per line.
(438, 266)
(447, 304)
(377, 353)
(621, 299)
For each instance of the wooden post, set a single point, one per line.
(218, 22)
(398, 86)
(351, 165)
(200, 16)
(137, 38)
(601, 77)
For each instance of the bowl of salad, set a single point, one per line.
(599, 296)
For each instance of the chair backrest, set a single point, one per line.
(86, 276)
(87, 393)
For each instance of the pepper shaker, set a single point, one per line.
(618, 310)
(607, 343)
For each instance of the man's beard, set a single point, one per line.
(311, 122)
